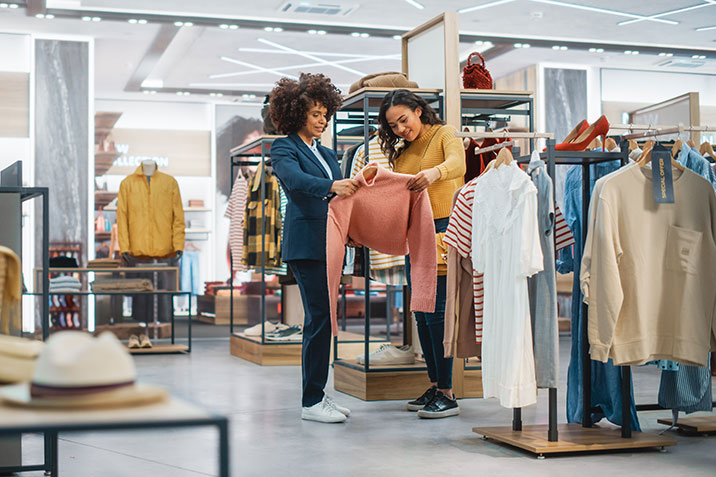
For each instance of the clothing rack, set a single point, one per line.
(242, 156)
(657, 130)
(584, 438)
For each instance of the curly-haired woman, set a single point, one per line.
(436, 159)
(310, 175)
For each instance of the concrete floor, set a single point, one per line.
(268, 437)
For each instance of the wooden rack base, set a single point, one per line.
(694, 425)
(124, 330)
(288, 353)
(573, 438)
(160, 349)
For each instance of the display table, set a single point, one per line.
(171, 413)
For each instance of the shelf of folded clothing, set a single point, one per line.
(288, 353)
(705, 424)
(572, 438)
(103, 197)
(197, 231)
(374, 96)
(160, 349)
(102, 236)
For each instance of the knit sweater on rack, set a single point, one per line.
(437, 147)
(386, 216)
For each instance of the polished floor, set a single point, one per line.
(268, 437)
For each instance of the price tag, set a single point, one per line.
(661, 174)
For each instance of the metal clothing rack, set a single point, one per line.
(361, 108)
(590, 438)
(246, 155)
(27, 193)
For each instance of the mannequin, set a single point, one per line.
(150, 230)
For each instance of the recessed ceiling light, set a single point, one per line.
(40, 15)
(188, 24)
(522, 45)
(223, 26)
(14, 5)
(86, 19)
(321, 32)
(479, 42)
(233, 27)
(596, 50)
(559, 47)
(133, 21)
(178, 24)
(364, 35)
(397, 37)
(312, 32)
(268, 28)
(96, 19)
(355, 34)
(518, 45)
(142, 21)
(278, 29)
(4, 5)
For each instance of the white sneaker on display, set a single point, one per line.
(324, 411)
(388, 354)
(343, 410)
(268, 328)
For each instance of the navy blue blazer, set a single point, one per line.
(307, 186)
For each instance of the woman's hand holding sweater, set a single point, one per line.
(345, 187)
(423, 179)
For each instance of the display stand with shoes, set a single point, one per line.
(267, 343)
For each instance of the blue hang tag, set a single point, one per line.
(661, 174)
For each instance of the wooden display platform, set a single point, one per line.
(288, 353)
(160, 349)
(381, 382)
(694, 425)
(572, 438)
(124, 330)
(211, 320)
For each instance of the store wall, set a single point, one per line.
(62, 85)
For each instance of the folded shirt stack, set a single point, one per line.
(103, 263)
(122, 285)
(65, 284)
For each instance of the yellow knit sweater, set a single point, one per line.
(437, 147)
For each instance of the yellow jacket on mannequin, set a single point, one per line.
(150, 216)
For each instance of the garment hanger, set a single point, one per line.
(645, 158)
(595, 144)
(632, 145)
(610, 144)
(707, 148)
(504, 158)
(676, 148)
(691, 144)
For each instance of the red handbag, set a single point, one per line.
(476, 76)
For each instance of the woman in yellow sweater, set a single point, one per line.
(436, 159)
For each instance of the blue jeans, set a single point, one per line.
(190, 272)
(431, 328)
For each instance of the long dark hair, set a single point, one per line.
(401, 97)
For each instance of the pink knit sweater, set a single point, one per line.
(386, 216)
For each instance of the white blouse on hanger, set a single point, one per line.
(506, 248)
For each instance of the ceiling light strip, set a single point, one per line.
(671, 12)
(603, 10)
(483, 6)
(311, 57)
(256, 67)
(416, 4)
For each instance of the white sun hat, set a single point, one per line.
(76, 370)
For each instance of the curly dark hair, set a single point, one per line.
(403, 97)
(290, 100)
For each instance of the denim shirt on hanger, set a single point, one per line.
(606, 378)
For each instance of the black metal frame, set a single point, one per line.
(585, 159)
(239, 157)
(360, 106)
(27, 193)
(50, 464)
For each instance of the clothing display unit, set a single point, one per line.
(123, 330)
(544, 440)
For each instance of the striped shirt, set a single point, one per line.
(459, 236)
(235, 211)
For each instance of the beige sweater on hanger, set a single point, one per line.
(653, 270)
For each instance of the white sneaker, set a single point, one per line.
(388, 354)
(322, 412)
(343, 410)
(268, 328)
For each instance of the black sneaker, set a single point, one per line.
(423, 400)
(440, 406)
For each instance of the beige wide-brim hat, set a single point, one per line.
(17, 358)
(135, 395)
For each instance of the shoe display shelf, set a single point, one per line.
(163, 335)
(554, 439)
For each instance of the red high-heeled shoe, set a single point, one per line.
(599, 128)
(574, 133)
